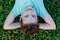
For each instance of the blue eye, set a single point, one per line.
(26, 15)
(33, 15)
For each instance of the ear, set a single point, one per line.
(20, 18)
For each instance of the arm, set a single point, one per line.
(9, 22)
(49, 25)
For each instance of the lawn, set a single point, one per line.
(52, 6)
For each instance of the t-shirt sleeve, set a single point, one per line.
(42, 8)
(17, 8)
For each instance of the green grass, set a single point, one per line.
(52, 6)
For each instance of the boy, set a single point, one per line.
(29, 10)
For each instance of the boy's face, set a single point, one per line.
(29, 16)
(29, 21)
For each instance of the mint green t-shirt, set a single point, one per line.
(21, 5)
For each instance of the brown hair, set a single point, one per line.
(29, 28)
